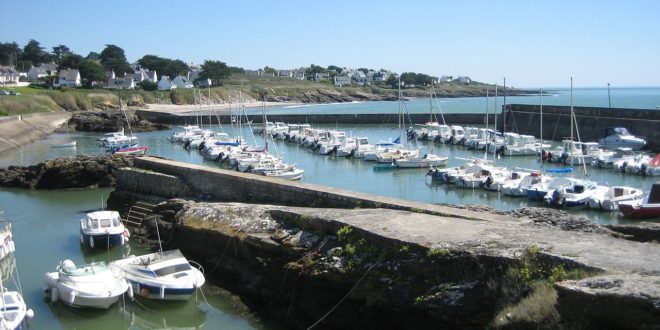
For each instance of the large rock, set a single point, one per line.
(111, 121)
(78, 171)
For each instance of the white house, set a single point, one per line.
(165, 84)
(446, 79)
(464, 80)
(8, 75)
(285, 73)
(342, 80)
(126, 82)
(321, 75)
(360, 78)
(44, 70)
(204, 82)
(192, 75)
(258, 72)
(68, 78)
(144, 74)
(299, 74)
(182, 82)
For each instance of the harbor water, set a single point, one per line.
(46, 223)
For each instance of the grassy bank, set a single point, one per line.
(236, 87)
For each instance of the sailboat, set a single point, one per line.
(121, 144)
(574, 192)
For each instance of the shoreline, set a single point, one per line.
(221, 107)
(16, 131)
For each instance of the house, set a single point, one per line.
(299, 74)
(110, 74)
(8, 75)
(285, 73)
(360, 78)
(342, 80)
(192, 75)
(181, 82)
(165, 84)
(44, 70)
(68, 78)
(205, 82)
(144, 74)
(464, 80)
(126, 82)
(446, 79)
(258, 72)
(321, 75)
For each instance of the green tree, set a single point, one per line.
(59, 52)
(70, 62)
(268, 69)
(148, 85)
(334, 68)
(34, 53)
(113, 58)
(164, 66)
(311, 72)
(9, 53)
(392, 80)
(94, 56)
(217, 71)
(90, 71)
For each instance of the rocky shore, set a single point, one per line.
(111, 121)
(78, 171)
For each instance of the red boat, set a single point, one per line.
(648, 207)
(131, 151)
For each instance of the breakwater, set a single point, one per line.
(361, 118)
(591, 122)
(16, 131)
(373, 261)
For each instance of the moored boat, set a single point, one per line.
(617, 137)
(93, 285)
(649, 207)
(608, 200)
(102, 229)
(164, 275)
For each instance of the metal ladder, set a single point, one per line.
(137, 213)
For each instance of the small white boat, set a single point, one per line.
(161, 275)
(617, 137)
(574, 194)
(519, 188)
(7, 246)
(422, 161)
(102, 229)
(608, 200)
(616, 155)
(13, 310)
(64, 144)
(93, 285)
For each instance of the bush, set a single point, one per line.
(148, 85)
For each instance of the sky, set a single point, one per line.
(531, 43)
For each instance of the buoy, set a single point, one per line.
(53, 295)
(91, 241)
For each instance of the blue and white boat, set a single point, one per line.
(162, 275)
(575, 193)
(102, 229)
(619, 137)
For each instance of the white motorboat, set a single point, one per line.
(617, 155)
(102, 229)
(519, 188)
(575, 193)
(290, 172)
(362, 147)
(93, 285)
(422, 161)
(608, 200)
(476, 175)
(118, 138)
(13, 310)
(617, 137)
(7, 245)
(497, 182)
(162, 275)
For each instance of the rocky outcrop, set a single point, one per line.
(111, 121)
(331, 96)
(379, 268)
(78, 171)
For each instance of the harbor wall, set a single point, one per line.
(16, 131)
(591, 121)
(170, 179)
(369, 118)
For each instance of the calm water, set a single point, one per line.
(46, 222)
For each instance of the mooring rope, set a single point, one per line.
(344, 298)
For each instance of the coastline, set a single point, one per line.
(222, 107)
(16, 131)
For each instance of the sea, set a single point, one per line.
(46, 223)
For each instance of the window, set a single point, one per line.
(172, 269)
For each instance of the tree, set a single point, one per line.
(392, 80)
(9, 53)
(311, 72)
(34, 53)
(334, 68)
(269, 70)
(217, 71)
(148, 85)
(59, 52)
(90, 71)
(164, 66)
(94, 56)
(113, 58)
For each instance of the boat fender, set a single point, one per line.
(130, 291)
(54, 295)
(72, 297)
(564, 157)
(162, 292)
(29, 313)
(82, 239)
(91, 241)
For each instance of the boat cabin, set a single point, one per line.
(101, 220)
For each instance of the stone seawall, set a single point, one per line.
(392, 263)
(450, 118)
(16, 131)
(591, 121)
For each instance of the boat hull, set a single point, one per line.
(102, 241)
(639, 211)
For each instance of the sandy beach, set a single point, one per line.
(221, 107)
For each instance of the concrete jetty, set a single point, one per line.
(305, 246)
(16, 131)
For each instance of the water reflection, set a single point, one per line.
(147, 314)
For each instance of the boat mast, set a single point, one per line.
(572, 145)
(495, 108)
(541, 120)
(431, 103)
(210, 122)
(504, 109)
(400, 110)
(487, 90)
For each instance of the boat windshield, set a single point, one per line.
(167, 270)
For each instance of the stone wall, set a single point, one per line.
(16, 131)
(591, 121)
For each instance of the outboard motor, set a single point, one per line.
(187, 144)
(564, 157)
(351, 154)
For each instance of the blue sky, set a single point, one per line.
(531, 43)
